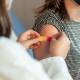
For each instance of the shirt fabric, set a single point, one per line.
(72, 30)
(16, 64)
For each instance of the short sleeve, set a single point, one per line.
(47, 17)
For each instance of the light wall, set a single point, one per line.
(24, 11)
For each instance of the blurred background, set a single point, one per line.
(23, 9)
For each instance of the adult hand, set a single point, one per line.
(60, 46)
(29, 39)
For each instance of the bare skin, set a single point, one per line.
(57, 45)
(73, 10)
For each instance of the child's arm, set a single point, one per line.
(43, 50)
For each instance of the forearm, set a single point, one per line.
(56, 68)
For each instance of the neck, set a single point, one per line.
(73, 9)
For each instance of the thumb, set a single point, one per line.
(53, 40)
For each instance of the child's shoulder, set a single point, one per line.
(47, 17)
(48, 14)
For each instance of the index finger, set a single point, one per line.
(31, 32)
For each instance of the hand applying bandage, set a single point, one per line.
(60, 45)
(47, 38)
(29, 39)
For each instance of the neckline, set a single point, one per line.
(75, 22)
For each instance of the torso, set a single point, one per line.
(72, 31)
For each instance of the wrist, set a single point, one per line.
(58, 55)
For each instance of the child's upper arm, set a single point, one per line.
(43, 50)
(48, 30)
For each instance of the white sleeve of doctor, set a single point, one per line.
(56, 68)
(16, 64)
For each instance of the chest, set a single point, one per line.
(73, 32)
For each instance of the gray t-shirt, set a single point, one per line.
(72, 30)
